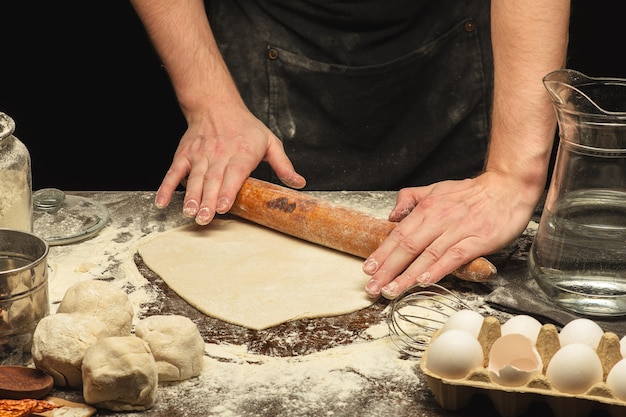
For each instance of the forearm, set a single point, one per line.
(529, 40)
(182, 36)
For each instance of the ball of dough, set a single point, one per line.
(176, 345)
(60, 342)
(100, 299)
(120, 374)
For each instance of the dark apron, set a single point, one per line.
(379, 100)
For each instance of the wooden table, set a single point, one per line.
(341, 366)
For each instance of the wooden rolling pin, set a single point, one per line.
(319, 221)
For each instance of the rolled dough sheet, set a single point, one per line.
(255, 277)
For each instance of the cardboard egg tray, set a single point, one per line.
(455, 394)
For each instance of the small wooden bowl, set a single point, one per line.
(21, 382)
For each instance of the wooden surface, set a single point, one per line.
(110, 253)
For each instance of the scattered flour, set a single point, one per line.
(335, 380)
(106, 256)
(367, 377)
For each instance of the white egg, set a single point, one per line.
(513, 360)
(581, 331)
(467, 320)
(616, 379)
(524, 325)
(454, 354)
(574, 368)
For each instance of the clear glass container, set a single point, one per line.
(62, 219)
(578, 256)
(15, 179)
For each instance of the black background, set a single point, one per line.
(97, 112)
(88, 95)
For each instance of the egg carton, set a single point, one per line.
(456, 394)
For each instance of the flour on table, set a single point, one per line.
(338, 380)
(255, 277)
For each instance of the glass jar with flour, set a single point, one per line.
(15, 179)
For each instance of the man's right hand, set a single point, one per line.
(216, 160)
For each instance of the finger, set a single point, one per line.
(194, 189)
(417, 272)
(398, 251)
(401, 233)
(406, 201)
(430, 267)
(236, 173)
(282, 166)
(411, 259)
(376, 264)
(400, 284)
(170, 182)
(211, 186)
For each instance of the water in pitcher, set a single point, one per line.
(578, 257)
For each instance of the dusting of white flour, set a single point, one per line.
(367, 377)
(235, 382)
(338, 375)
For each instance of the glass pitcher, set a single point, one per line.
(578, 256)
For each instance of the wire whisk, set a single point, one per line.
(418, 313)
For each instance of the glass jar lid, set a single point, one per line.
(61, 218)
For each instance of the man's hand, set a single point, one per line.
(445, 225)
(215, 161)
(224, 141)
